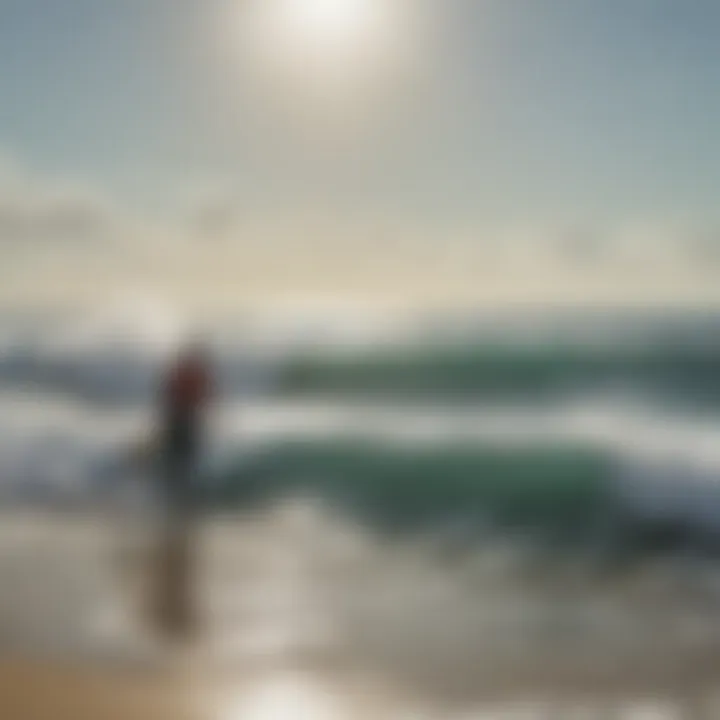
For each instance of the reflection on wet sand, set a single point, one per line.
(40, 691)
(307, 616)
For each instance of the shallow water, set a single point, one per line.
(305, 598)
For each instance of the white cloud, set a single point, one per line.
(59, 240)
(35, 212)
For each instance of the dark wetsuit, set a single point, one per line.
(185, 395)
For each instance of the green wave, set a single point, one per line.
(564, 498)
(494, 370)
(411, 488)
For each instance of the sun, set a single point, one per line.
(322, 39)
(332, 22)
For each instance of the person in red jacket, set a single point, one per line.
(185, 394)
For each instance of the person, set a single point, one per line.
(186, 390)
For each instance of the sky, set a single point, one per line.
(490, 149)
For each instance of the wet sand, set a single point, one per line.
(47, 691)
(297, 612)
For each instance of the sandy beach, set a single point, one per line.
(40, 691)
(302, 620)
(36, 691)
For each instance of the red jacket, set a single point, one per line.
(188, 386)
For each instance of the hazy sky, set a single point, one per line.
(594, 119)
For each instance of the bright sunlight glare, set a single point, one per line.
(285, 698)
(314, 39)
(336, 22)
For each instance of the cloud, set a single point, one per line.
(612, 245)
(625, 246)
(66, 220)
(36, 212)
(59, 240)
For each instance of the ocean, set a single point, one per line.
(463, 508)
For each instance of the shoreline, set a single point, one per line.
(188, 690)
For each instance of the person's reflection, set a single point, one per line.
(186, 390)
